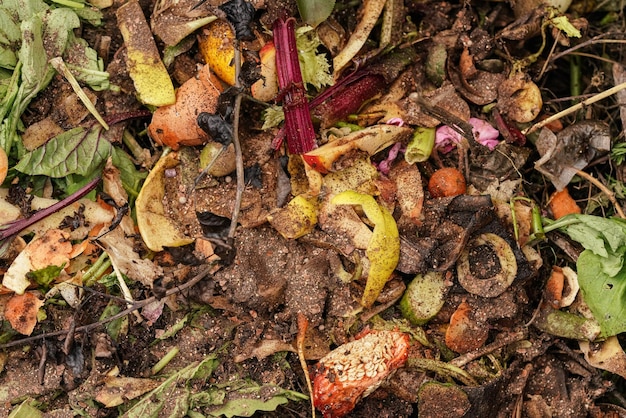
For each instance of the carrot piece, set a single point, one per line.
(561, 204)
(554, 287)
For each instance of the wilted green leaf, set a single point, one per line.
(45, 276)
(77, 151)
(26, 410)
(314, 67)
(153, 402)
(243, 399)
(605, 295)
(114, 328)
(563, 24)
(314, 12)
(131, 177)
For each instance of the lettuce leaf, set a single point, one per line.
(77, 151)
(601, 270)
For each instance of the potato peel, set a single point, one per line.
(383, 250)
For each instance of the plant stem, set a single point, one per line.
(298, 123)
(17, 226)
(165, 360)
(575, 108)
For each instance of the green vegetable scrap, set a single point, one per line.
(383, 249)
(601, 270)
(31, 33)
(173, 398)
(77, 151)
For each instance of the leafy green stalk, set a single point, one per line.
(600, 267)
(59, 65)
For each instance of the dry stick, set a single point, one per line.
(237, 144)
(604, 190)
(137, 305)
(488, 349)
(592, 41)
(575, 108)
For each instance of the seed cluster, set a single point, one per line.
(368, 357)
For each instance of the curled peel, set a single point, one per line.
(495, 285)
(383, 249)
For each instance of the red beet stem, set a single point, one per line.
(299, 127)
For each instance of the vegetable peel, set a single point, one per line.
(152, 82)
(383, 250)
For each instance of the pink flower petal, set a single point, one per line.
(484, 133)
(446, 139)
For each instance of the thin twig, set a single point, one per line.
(488, 349)
(593, 41)
(604, 190)
(135, 306)
(303, 324)
(238, 155)
(576, 107)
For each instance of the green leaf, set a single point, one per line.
(46, 275)
(605, 295)
(86, 65)
(26, 410)
(77, 151)
(152, 404)
(132, 179)
(314, 12)
(116, 327)
(244, 399)
(314, 67)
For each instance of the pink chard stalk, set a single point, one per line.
(298, 125)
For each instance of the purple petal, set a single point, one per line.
(446, 139)
(484, 133)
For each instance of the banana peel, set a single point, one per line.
(383, 250)
(296, 219)
(157, 229)
(152, 82)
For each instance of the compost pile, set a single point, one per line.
(284, 208)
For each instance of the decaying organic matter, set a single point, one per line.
(410, 207)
